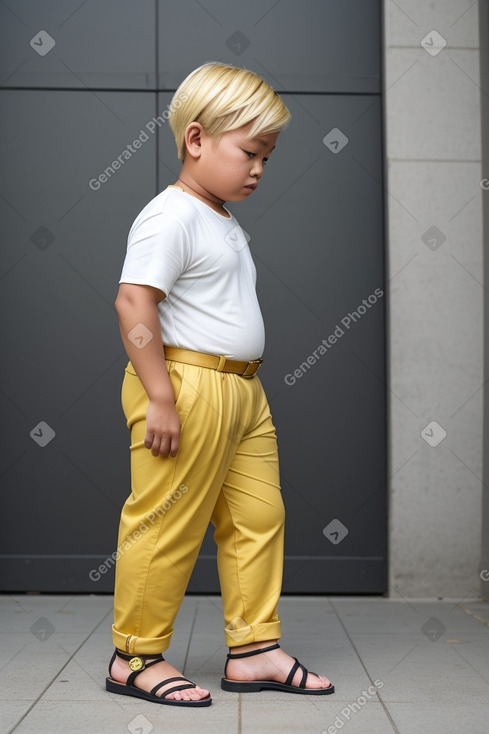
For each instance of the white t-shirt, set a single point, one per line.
(201, 260)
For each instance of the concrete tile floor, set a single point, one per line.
(405, 666)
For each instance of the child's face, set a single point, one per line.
(231, 168)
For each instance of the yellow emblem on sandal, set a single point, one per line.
(136, 663)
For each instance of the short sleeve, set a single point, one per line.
(157, 250)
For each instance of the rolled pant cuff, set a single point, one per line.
(243, 635)
(142, 645)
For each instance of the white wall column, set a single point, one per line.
(435, 295)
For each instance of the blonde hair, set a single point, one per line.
(221, 98)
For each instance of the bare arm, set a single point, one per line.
(136, 305)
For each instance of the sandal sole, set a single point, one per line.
(256, 686)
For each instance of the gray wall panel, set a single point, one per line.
(104, 44)
(311, 46)
(63, 245)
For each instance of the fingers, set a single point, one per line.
(162, 429)
(165, 445)
(174, 445)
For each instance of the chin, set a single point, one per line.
(237, 197)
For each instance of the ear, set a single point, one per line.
(193, 139)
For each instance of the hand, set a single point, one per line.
(162, 429)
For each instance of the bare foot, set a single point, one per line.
(273, 665)
(147, 679)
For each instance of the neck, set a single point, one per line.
(212, 201)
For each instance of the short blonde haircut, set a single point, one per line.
(221, 98)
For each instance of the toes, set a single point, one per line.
(190, 694)
(202, 693)
(312, 681)
(199, 693)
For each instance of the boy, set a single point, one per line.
(203, 445)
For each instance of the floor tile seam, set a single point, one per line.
(58, 672)
(187, 653)
(190, 635)
(383, 703)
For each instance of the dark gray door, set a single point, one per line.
(316, 228)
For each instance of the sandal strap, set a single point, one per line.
(232, 655)
(112, 661)
(293, 671)
(136, 655)
(189, 684)
(252, 652)
(132, 676)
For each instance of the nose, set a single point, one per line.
(256, 169)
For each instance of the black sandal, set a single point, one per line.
(138, 663)
(261, 685)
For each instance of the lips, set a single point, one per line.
(251, 186)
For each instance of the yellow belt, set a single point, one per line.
(221, 364)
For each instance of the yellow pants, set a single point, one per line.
(226, 472)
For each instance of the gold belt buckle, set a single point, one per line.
(251, 364)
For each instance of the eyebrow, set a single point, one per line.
(262, 143)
